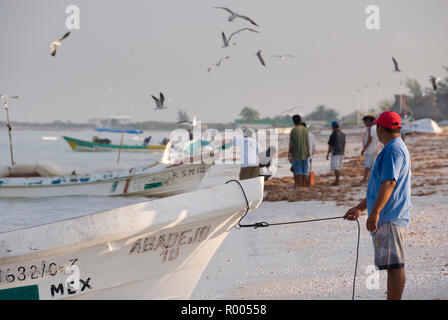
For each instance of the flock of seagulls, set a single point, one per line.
(226, 44)
(434, 80)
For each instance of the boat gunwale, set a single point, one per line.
(85, 143)
(97, 181)
(130, 231)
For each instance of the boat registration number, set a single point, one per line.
(32, 272)
(169, 243)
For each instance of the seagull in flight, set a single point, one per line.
(227, 40)
(289, 110)
(435, 81)
(192, 122)
(57, 43)
(234, 15)
(159, 102)
(4, 96)
(260, 57)
(283, 56)
(397, 68)
(218, 63)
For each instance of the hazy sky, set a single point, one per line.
(142, 47)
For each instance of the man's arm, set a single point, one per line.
(330, 148)
(290, 153)
(330, 145)
(386, 189)
(355, 212)
(291, 144)
(308, 143)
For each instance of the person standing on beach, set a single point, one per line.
(299, 152)
(336, 147)
(388, 203)
(249, 150)
(369, 146)
(312, 142)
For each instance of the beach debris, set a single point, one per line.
(234, 15)
(434, 81)
(227, 40)
(396, 66)
(217, 64)
(57, 43)
(159, 102)
(260, 57)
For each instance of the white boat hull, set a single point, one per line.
(152, 250)
(155, 182)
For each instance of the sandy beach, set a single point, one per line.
(316, 260)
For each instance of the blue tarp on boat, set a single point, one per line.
(119, 131)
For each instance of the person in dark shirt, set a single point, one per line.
(336, 147)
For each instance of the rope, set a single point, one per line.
(245, 197)
(266, 224)
(357, 255)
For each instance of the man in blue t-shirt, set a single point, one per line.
(388, 202)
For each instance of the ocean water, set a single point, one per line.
(29, 147)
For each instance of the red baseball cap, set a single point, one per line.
(389, 119)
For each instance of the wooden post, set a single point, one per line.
(9, 132)
(121, 144)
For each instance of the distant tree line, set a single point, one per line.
(321, 113)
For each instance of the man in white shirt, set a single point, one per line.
(370, 146)
(249, 150)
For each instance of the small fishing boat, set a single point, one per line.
(152, 250)
(421, 126)
(105, 145)
(158, 179)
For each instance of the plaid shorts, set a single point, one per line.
(388, 243)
